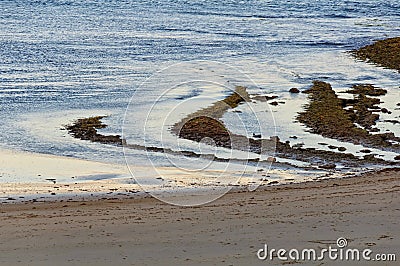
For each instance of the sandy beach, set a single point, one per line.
(199, 133)
(365, 210)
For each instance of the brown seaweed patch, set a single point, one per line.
(86, 129)
(206, 123)
(238, 96)
(362, 105)
(199, 128)
(325, 115)
(367, 89)
(384, 52)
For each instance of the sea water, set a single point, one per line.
(66, 59)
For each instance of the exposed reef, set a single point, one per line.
(206, 124)
(86, 129)
(385, 53)
(346, 120)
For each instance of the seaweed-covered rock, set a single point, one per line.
(326, 115)
(384, 52)
(86, 129)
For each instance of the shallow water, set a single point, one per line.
(61, 60)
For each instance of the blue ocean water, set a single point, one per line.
(64, 59)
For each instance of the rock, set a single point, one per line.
(328, 115)
(392, 121)
(86, 129)
(271, 159)
(397, 158)
(275, 139)
(293, 137)
(365, 151)
(273, 183)
(298, 145)
(328, 166)
(274, 103)
(383, 52)
(294, 90)
(342, 149)
(369, 157)
(256, 135)
(264, 98)
(332, 147)
(385, 111)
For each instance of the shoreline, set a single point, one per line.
(138, 194)
(66, 179)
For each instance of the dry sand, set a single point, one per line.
(229, 231)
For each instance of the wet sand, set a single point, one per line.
(365, 210)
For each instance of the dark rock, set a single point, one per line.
(256, 135)
(264, 98)
(392, 121)
(365, 151)
(397, 158)
(342, 149)
(274, 103)
(294, 90)
(297, 145)
(369, 157)
(328, 166)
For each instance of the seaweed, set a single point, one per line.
(86, 129)
(326, 115)
(385, 53)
